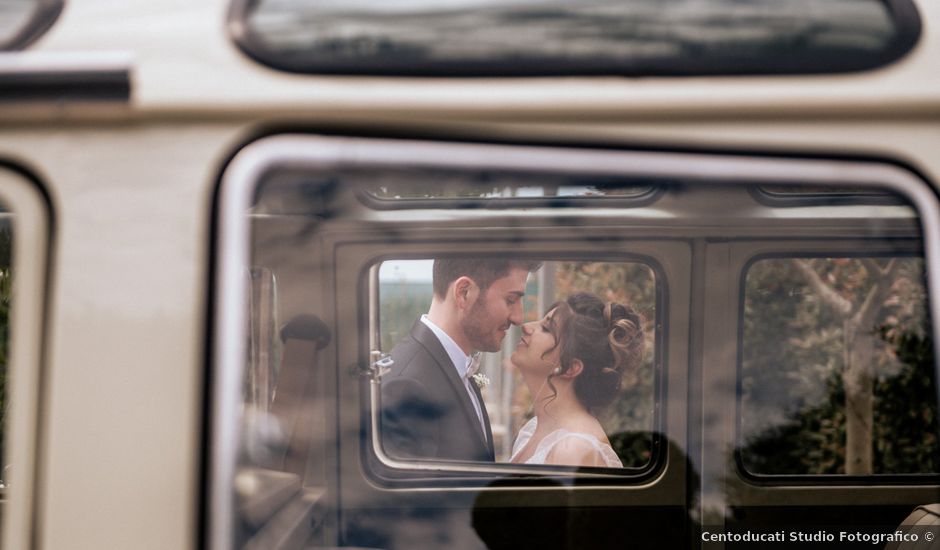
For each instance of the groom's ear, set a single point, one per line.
(465, 292)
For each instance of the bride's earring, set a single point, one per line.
(557, 370)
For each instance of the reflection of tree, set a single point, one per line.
(837, 359)
(906, 409)
(858, 344)
(904, 427)
(746, 34)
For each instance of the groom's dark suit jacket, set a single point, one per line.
(426, 412)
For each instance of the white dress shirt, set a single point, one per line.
(461, 362)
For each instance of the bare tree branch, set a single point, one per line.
(879, 291)
(830, 297)
(875, 270)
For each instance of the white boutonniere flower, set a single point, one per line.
(481, 380)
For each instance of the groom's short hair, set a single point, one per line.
(483, 271)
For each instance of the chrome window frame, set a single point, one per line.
(30, 212)
(249, 166)
(485, 472)
(636, 200)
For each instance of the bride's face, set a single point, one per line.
(532, 353)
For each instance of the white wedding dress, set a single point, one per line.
(605, 455)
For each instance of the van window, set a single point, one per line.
(351, 405)
(24, 220)
(22, 21)
(516, 38)
(495, 190)
(405, 291)
(837, 370)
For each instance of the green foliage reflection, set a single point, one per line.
(808, 365)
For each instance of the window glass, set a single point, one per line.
(820, 191)
(837, 373)
(795, 195)
(760, 323)
(494, 187)
(23, 250)
(330, 283)
(405, 289)
(21, 21)
(525, 37)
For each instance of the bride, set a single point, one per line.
(573, 361)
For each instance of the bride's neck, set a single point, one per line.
(550, 407)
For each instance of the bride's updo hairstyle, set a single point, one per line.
(606, 338)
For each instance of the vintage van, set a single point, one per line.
(219, 218)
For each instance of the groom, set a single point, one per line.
(431, 403)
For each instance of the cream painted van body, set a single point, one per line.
(120, 399)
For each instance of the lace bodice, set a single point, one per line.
(606, 457)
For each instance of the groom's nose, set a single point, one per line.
(516, 314)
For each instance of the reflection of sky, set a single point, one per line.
(405, 271)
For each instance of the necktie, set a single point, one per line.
(473, 365)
